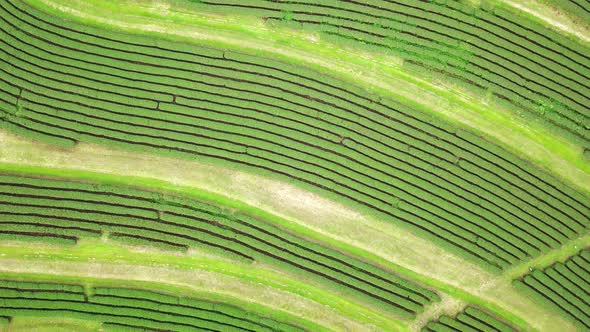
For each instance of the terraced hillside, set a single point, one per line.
(294, 165)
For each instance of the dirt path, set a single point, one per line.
(448, 305)
(553, 17)
(557, 255)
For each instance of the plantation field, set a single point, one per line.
(337, 165)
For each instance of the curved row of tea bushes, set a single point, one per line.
(564, 287)
(470, 320)
(124, 308)
(65, 82)
(65, 208)
(485, 48)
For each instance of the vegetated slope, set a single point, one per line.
(60, 210)
(564, 287)
(485, 48)
(127, 309)
(470, 320)
(63, 82)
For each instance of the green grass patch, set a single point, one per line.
(51, 324)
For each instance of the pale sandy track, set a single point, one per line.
(553, 17)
